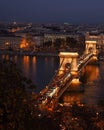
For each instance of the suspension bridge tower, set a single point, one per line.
(91, 48)
(68, 61)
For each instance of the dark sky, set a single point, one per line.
(52, 11)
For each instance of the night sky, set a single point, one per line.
(52, 11)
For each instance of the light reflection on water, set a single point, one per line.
(41, 70)
(93, 87)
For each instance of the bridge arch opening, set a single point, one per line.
(68, 66)
(90, 50)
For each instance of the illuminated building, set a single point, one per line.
(10, 42)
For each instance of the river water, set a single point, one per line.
(41, 69)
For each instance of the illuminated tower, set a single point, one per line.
(68, 60)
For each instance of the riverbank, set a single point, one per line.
(6, 52)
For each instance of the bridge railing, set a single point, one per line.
(85, 60)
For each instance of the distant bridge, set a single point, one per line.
(69, 70)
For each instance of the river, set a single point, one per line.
(41, 69)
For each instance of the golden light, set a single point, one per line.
(68, 54)
(93, 72)
(7, 43)
(26, 44)
(23, 43)
(76, 81)
(91, 42)
(26, 59)
(34, 60)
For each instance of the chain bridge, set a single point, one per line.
(71, 64)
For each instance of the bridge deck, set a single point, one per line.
(59, 83)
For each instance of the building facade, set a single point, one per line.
(11, 42)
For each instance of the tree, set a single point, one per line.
(16, 109)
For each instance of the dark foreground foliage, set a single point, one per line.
(17, 111)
